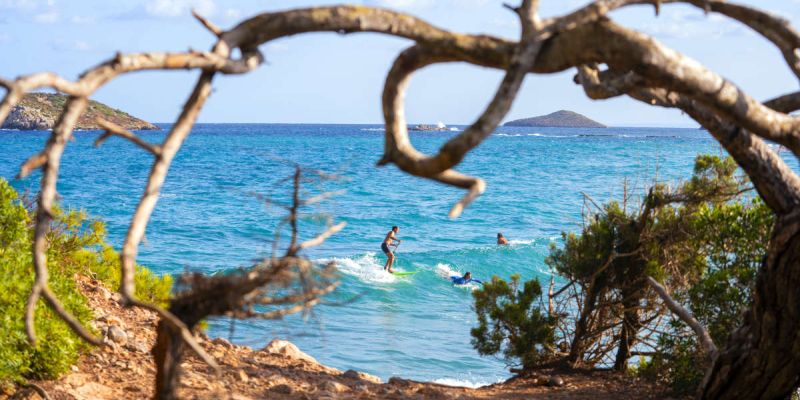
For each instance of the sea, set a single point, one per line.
(224, 201)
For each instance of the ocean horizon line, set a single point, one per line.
(411, 124)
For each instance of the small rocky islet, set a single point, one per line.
(40, 111)
(558, 119)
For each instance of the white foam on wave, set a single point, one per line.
(446, 271)
(373, 129)
(366, 268)
(522, 241)
(462, 382)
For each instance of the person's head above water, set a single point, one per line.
(499, 235)
(468, 275)
(395, 229)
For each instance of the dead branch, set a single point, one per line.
(687, 317)
(779, 187)
(215, 30)
(323, 236)
(114, 129)
(38, 389)
(49, 158)
(300, 284)
(398, 147)
(322, 197)
(787, 103)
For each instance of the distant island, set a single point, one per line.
(560, 119)
(39, 111)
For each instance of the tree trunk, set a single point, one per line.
(762, 357)
(629, 330)
(578, 348)
(168, 353)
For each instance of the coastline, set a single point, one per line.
(124, 369)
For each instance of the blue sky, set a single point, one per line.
(328, 78)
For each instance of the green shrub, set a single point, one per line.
(705, 240)
(734, 238)
(77, 246)
(510, 323)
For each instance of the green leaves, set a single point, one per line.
(76, 246)
(705, 239)
(510, 323)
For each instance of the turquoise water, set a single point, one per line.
(209, 219)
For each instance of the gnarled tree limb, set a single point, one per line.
(687, 317)
(113, 129)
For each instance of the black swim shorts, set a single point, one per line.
(385, 248)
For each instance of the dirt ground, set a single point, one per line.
(124, 369)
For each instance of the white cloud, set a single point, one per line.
(20, 4)
(233, 13)
(83, 19)
(48, 17)
(71, 45)
(179, 8)
(80, 45)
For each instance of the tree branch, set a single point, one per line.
(214, 29)
(323, 236)
(114, 129)
(685, 316)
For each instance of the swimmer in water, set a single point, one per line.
(501, 240)
(463, 280)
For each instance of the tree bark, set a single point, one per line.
(168, 353)
(762, 357)
(579, 345)
(630, 328)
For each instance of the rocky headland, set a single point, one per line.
(40, 111)
(558, 119)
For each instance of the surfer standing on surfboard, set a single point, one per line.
(387, 241)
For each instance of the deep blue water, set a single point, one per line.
(209, 218)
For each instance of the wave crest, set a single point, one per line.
(366, 267)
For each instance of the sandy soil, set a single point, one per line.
(124, 369)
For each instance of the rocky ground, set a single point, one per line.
(124, 369)
(40, 111)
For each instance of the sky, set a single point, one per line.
(330, 78)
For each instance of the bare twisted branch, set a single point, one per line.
(398, 147)
(113, 129)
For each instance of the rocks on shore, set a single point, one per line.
(118, 371)
(358, 375)
(287, 349)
